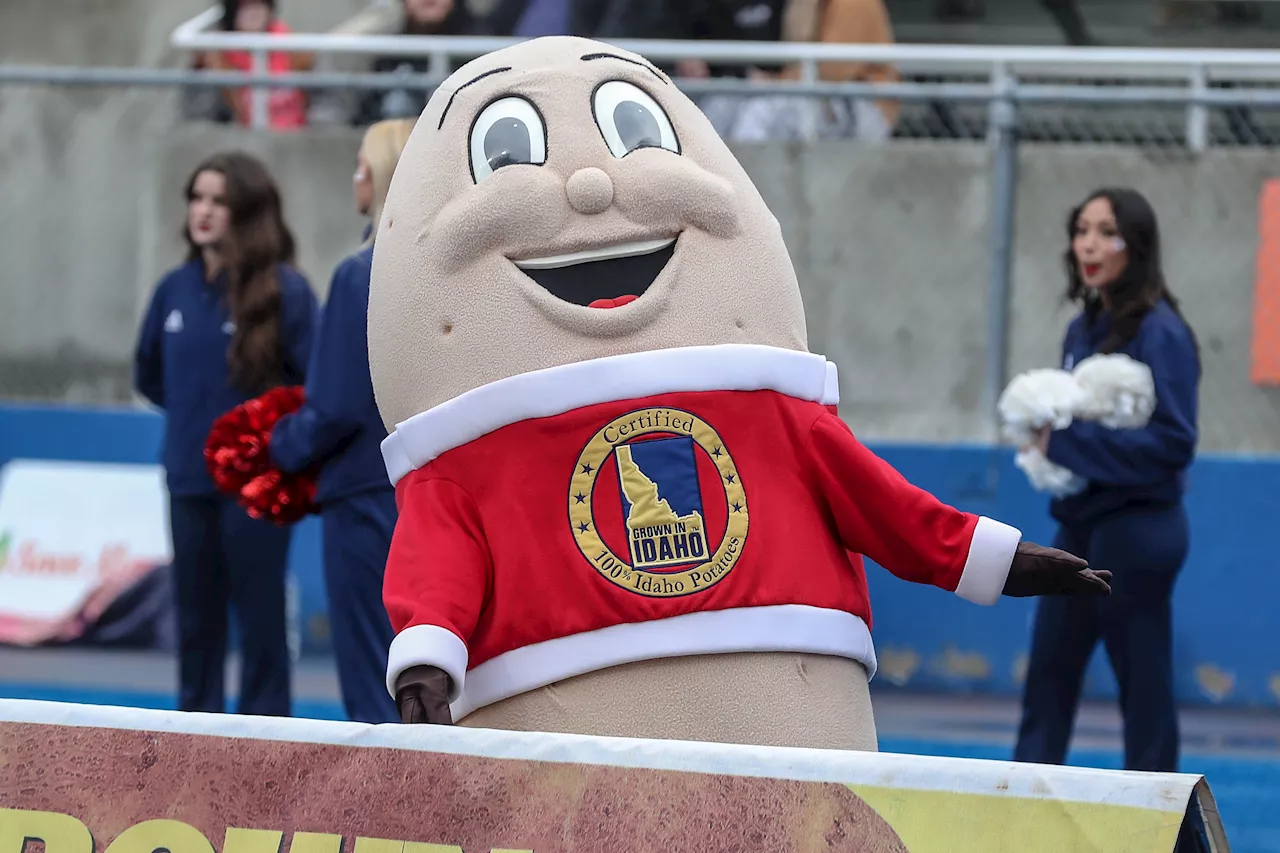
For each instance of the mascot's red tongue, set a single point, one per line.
(616, 302)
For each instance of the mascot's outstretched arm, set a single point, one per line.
(918, 538)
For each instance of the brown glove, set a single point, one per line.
(1038, 570)
(422, 695)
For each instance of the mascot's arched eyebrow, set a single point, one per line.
(475, 79)
(646, 66)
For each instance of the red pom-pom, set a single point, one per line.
(238, 460)
(279, 497)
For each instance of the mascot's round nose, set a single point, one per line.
(590, 190)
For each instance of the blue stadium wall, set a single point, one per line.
(1227, 643)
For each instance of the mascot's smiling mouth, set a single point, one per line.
(608, 277)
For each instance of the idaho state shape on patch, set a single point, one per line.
(656, 504)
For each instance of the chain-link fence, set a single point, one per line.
(931, 262)
(1148, 125)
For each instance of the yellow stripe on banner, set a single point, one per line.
(945, 822)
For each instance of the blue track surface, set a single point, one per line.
(1247, 789)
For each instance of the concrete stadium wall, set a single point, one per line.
(891, 247)
(78, 169)
(890, 244)
(126, 32)
(926, 639)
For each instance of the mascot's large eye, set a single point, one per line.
(508, 132)
(630, 119)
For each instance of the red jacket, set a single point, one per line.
(684, 501)
(286, 108)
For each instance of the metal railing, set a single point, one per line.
(1001, 67)
(1182, 78)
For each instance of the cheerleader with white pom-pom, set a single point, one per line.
(1111, 436)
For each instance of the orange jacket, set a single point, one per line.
(843, 22)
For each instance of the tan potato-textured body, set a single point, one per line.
(450, 311)
(812, 701)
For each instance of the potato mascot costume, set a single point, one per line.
(627, 504)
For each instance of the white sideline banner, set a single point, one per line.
(86, 779)
(73, 536)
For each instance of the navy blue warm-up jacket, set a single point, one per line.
(180, 363)
(1132, 466)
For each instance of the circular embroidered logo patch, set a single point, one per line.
(657, 505)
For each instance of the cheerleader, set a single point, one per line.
(235, 320)
(1129, 517)
(339, 431)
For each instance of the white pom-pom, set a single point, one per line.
(1046, 476)
(1038, 398)
(1119, 392)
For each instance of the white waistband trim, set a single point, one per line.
(778, 628)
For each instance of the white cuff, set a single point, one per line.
(770, 628)
(990, 556)
(428, 645)
(831, 388)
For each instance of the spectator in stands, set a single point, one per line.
(421, 18)
(339, 429)
(846, 22)
(535, 18)
(228, 324)
(286, 108)
(716, 20)
(740, 118)
(1130, 518)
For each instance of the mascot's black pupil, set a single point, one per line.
(637, 128)
(507, 143)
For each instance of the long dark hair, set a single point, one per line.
(231, 7)
(258, 240)
(1141, 285)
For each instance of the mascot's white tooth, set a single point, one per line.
(622, 250)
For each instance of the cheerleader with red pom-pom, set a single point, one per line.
(335, 435)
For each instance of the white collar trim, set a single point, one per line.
(556, 390)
